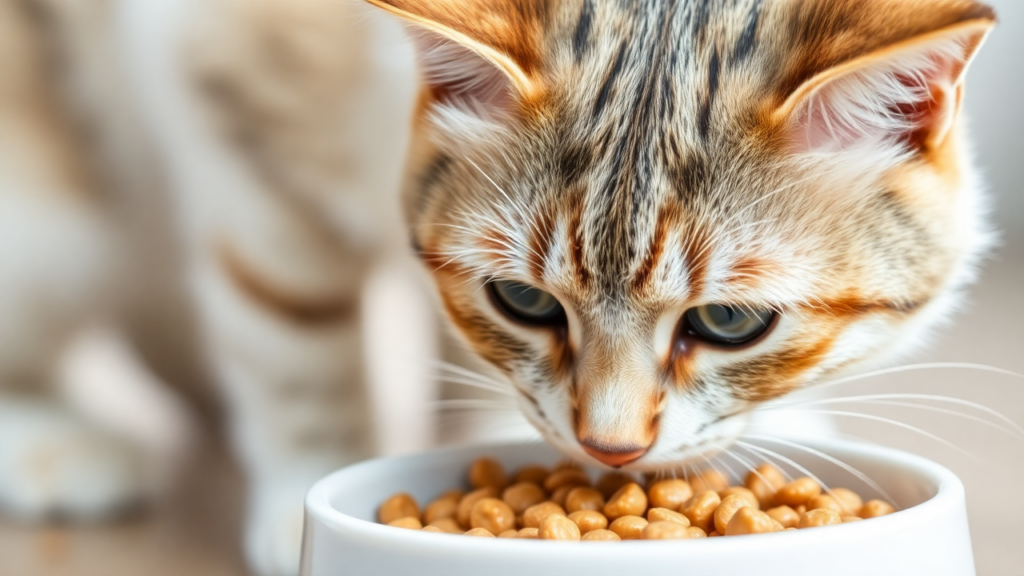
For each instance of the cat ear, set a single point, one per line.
(475, 54)
(907, 94)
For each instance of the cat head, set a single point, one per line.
(655, 216)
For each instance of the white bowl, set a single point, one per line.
(929, 536)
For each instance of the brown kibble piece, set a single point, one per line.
(610, 483)
(701, 509)
(509, 534)
(671, 494)
(480, 532)
(630, 500)
(709, 479)
(561, 494)
(742, 492)
(798, 492)
(449, 525)
(434, 529)
(785, 515)
(714, 534)
(589, 520)
(629, 527)
(410, 523)
(826, 502)
(441, 508)
(535, 515)
(601, 536)
(535, 474)
(493, 515)
(764, 482)
(800, 509)
(665, 531)
(397, 507)
(694, 532)
(470, 500)
(529, 533)
(666, 515)
(487, 472)
(776, 527)
(559, 528)
(566, 477)
(748, 520)
(522, 495)
(583, 498)
(820, 517)
(875, 508)
(729, 506)
(851, 501)
(846, 519)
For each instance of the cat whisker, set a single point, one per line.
(896, 423)
(789, 461)
(473, 404)
(1011, 428)
(913, 367)
(785, 472)
(746, 464)
(857, 473)
(474, 384)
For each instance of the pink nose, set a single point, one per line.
(614, 456)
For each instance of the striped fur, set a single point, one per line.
(795, 155)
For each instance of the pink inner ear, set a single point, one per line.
(462, 78)
(906, 101)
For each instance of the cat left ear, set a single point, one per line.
(476, 54)
(908, 94)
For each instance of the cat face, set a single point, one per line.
(655, 216)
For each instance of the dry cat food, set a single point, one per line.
(564, 504)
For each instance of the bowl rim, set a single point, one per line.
(949, 491)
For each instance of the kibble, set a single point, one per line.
(487, 472)
(820, 517)
(522, 495)
(670, 494)
(492, 514)
(748, 520)
(410, 523)
(665, 531)
(798, 492)
(700, 509)
(629, 527)
(589, 520)
(875, 508)
(764, 481)
(630, 500)
(535, 515)
(583, 498)
(563, 504)
(601, 536)
(397, 507)
(469, 500)
(666, 515)
(557, 527)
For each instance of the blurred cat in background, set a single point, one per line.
(650, 217)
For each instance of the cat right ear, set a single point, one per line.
(903, 95)
(477, 55)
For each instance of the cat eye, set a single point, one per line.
(728, 325)
(527, 304)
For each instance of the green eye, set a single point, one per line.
(526, 303)
(728, 325)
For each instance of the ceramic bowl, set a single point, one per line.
(928, 536)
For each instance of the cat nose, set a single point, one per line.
(613, 455)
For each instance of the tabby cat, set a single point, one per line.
(650, 216)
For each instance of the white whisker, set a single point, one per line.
(862, 476)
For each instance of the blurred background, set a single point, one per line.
(196, 531)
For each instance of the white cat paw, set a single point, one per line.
(274, 533)
(53, 465)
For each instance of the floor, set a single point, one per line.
(196, 532)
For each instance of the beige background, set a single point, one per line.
(197, 531)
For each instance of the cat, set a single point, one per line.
(650, 217)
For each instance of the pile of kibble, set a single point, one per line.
(564, 504)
